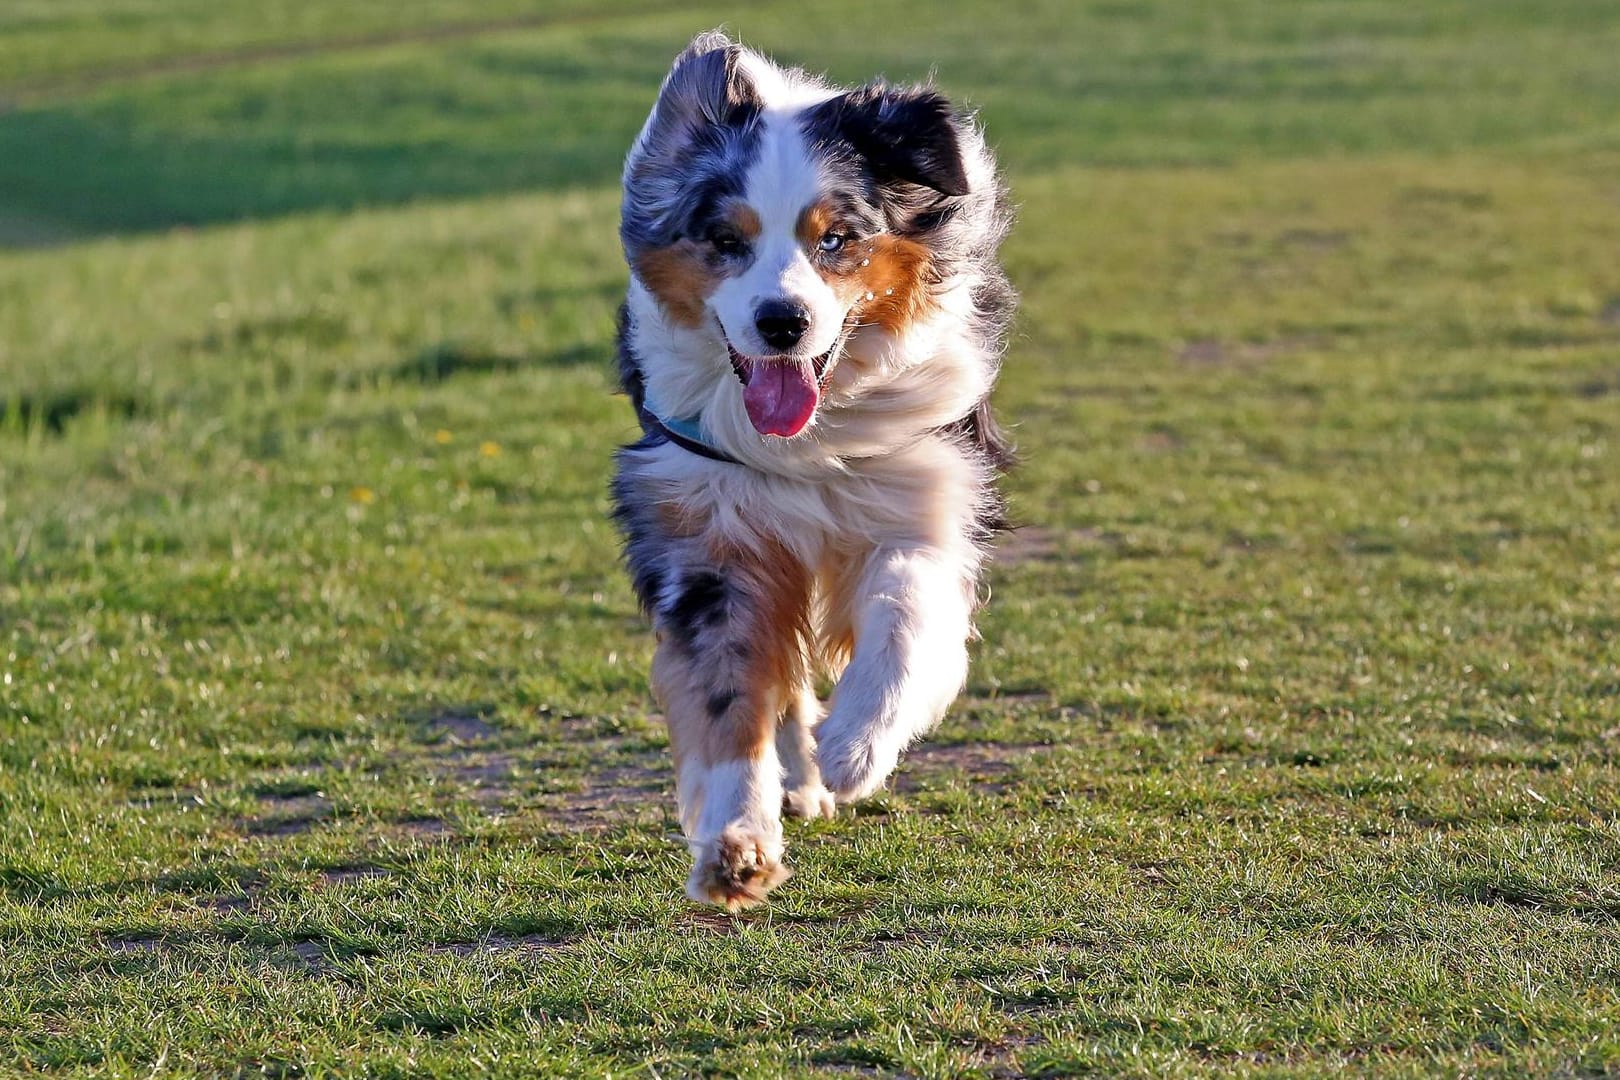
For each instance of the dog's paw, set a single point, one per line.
(736, 869)
(809, 801)
(853, 763)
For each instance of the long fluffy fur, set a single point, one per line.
(854, 548)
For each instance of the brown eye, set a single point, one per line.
(726, 242)
(832, 242)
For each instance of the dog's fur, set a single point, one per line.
(850, 545)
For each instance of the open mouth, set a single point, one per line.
(781, 395)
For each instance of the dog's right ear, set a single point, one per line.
(705, 87)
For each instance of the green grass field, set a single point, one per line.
(1293, 743)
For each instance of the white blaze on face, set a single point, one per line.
(783, 181)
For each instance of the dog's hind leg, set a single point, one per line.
(805, 796)
(730, 657)
(912, 615)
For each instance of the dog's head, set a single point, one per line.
(780, 216)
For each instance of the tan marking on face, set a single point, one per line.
(882, 280)
(814, 220)
(680, 278)
(889, 285)
(745, 219)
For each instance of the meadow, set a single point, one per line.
(1292, 745)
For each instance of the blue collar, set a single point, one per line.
(689, 428)
(686, 433)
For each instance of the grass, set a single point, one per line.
(1291, 744)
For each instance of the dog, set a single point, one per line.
(815, 318)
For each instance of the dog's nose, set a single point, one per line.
(781, 323)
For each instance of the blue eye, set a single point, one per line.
(831, 242)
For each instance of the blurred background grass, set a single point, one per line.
(137, 115)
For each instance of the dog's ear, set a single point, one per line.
(904, 133)
(706, 86)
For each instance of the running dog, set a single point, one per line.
(814, 322)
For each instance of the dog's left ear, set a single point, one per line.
(904, 133)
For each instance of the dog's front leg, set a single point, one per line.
(912, 616)
(731, 651)
(806, 795)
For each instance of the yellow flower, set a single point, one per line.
(362, 495)
(442, 436)
(490, 449)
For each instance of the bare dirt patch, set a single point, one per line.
(344, 875)
(423, 827)
(459, 748)
(715, 923)
(491, 775)
(229, 905)
(999, 1057)
(502, 945)
(616, 794)
(494, 769)
(460, 727)
(1212, 352)
(1028, 544)
(632, 781)
(1044, 544)
(290, 815)
(986, 764)
(1161, 441)
(1004, 698)
(312, 954)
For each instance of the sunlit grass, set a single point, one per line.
(325, 746)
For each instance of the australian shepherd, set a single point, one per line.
(814, 322)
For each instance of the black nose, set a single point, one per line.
(781, 324)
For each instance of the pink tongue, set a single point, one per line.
(780, 398)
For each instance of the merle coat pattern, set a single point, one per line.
(815, 303)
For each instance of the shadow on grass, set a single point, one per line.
(462, 111)
(1517, 890)
(52, 411)
(23, 882)
(335, 133)
(447, 360)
